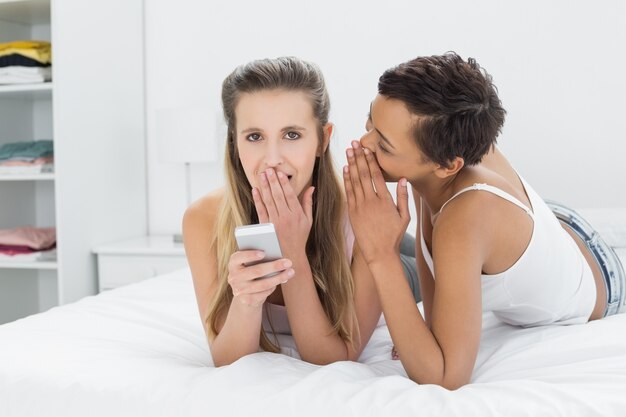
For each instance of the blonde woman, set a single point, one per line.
(279, 170)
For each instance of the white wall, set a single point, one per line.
(558, 66)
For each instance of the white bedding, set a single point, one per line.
(140, 351)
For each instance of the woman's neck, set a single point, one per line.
(435, 191)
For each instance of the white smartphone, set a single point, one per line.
(259, 237)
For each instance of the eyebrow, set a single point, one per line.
(378, 131)
(256, 129)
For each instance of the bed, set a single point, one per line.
(140, 350)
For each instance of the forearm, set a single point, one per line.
(427, 290)
(240, 334)
(312, 330)
(418, 348)
(425, 277)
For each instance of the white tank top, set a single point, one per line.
(551, 283)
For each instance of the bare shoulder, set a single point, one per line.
(482, 229)
(468, 209)
(198, 227)
(203, 212)
(199, 224)
(466, 221)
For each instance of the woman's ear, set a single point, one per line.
(328, 130)
(455, 166)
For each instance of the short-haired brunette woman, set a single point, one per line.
(486, 239)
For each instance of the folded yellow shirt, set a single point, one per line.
(38, 50)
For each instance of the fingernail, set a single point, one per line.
(260, 254)
(355, 144)
(263, 177)
(366, 151)
(269, 172)
(280, 175)
(290, 272)
(345, 169)
(403, 182)
(350, 153)
(287, 263)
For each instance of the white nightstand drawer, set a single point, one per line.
(117, 270)
(132, 260)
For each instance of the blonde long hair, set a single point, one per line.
(325, 247)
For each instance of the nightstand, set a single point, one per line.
(133, 260)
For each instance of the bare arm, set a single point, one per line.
(366, 301)
(312, 331)
(315, 338)
(426, 281)
(445, 353)
(239, 329)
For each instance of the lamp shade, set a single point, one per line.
(186, 134)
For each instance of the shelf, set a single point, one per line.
(27, 12)
(48, 261)
(28, 265)
(37, 90)
(29, 177)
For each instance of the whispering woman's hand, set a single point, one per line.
(277, 202)
(378, 223)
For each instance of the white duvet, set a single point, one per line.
(140, 351)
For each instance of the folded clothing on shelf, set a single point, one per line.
(38, 51)
(12, 250)
(34, 238)
(40, 256)
(15, 249)
(25, 62)
(36, 166)
(34, 157)
(24, 75)
(27, 150)
(29, 170)
(17, 60)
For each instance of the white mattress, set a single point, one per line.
(140, 351)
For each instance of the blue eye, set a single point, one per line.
(253, 137)
(292, 135)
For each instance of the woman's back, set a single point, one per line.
(536, 275)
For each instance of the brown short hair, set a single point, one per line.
(460, 112)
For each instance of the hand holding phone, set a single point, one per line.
(251, 284)
(259, 237)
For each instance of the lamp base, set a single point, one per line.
(178, 238)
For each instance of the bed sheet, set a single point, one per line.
(140, 351)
